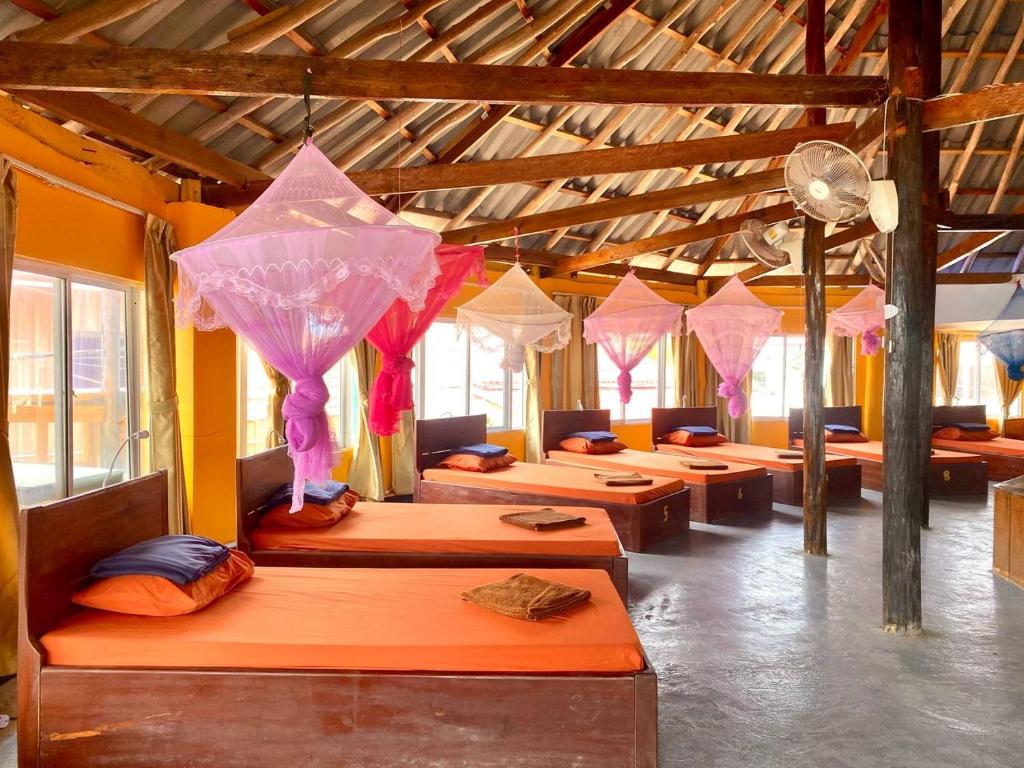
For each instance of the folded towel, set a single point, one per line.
(526, 597)
(483, 450)
(324, 494)
(596, 436)
(972, 426)
(179, 559)
(545, 519)
(694, 430)
(842, 429)
(623, 479)
(704, 464)
(789, 454)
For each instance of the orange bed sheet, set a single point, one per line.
(761, 455)
(446, 529)
(1000, 446)
(661, 464)
(872, 451)
(562, 482)
(361, 619)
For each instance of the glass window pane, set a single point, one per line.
(670, 374)
(257, 402)
(989, 395)
(518, 401)
(99, 385)
(967, 377)
(794, 373)
(607, 384)
(34, 405)
(766, 395)
(444, 372)
(645, 388)
(487, 383)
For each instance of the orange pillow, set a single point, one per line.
(311, 515)
(144, 595)
(599, 447)
(682, 437)
(955, 433)
(472, 463)
(845, 437)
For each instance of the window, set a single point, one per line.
(777, 377)
(654, 383)
(254, 392)
(976, 381)
(74, 384)
(457, 377)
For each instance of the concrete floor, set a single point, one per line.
(767, 657)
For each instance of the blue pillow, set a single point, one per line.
(970, 427)
(842, 429)
(483, 450)
(596, 436)
(180, 559)
(698, 430)
(324, 494)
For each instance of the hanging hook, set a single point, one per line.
(307, 125)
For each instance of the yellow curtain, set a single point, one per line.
(841, 387)
(574, 368)
(164, 423)
(947, 364)
(687, 358)
(281, 387)
(534, 406)
(1008, 388)
(366, 474)
(403, 454)
(8, 491)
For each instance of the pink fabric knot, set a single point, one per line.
(391, 394)
(870, 342)
(731, 389)
(303, 410)
(625, 381)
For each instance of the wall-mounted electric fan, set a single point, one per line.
(774, 245)
(827, 181)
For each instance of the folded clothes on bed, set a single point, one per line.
(842, 429)
(596, 436)
(327, 493)
(179, 559)
(623, 479)
(697, 430)
(696, 463)
(483, 450)
(789, 454)
(526, 597)
(545, 519)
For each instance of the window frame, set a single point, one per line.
(980, 353)
(662, 386)
(64, 369)
(783, 410)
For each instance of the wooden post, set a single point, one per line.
(815, 490)
(909, 333)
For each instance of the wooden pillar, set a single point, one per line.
(909, 333)
(815, 491)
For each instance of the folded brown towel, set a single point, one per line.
(789, 454)
(526, 597)
(704, 464)
(545, 519)
(623, 479)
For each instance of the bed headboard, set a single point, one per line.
(664, 420)
(555, 426)
(256, 478)
(436, 438)
(958, 414)
(850, 415)
(62, 540)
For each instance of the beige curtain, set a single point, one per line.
(281, 387)
(574, 368)
(947, 364)
(534, 406)
(164, 423)
(1008, 388)
(841, 388)
(403, 454)
(366, 475)
(8, 491)
(686, 356)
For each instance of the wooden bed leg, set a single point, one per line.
(646, 716)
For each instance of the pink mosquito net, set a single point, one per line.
(862, 315)
(302, 275)
(401, 327)
(516, 311)
(628, 324)
(732, 326)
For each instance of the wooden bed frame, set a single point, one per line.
(259, 476)
(787, 487)
(712, 503)
(73, 717)
(638, 525)
(1000, 466)
(943, 479)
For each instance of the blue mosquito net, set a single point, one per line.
(1005, 336)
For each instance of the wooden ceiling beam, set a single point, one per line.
(981, 222)
(739, 186)
(943, 278)
(989, 103)
(82, 20)
(48, 66)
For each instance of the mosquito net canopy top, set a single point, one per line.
(732, 326)
(863, 315)
(628, 324)
(302, 275)
(1004, 338)
(519, 314)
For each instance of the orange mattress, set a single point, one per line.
(361, 619)
(872, 451)
(761, 455)
(661, 464)
(1000, 446)
(564, 482)
(444, 528)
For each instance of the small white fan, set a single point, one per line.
(774, 245)
(827, 181)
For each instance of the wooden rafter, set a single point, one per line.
(82, 20)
